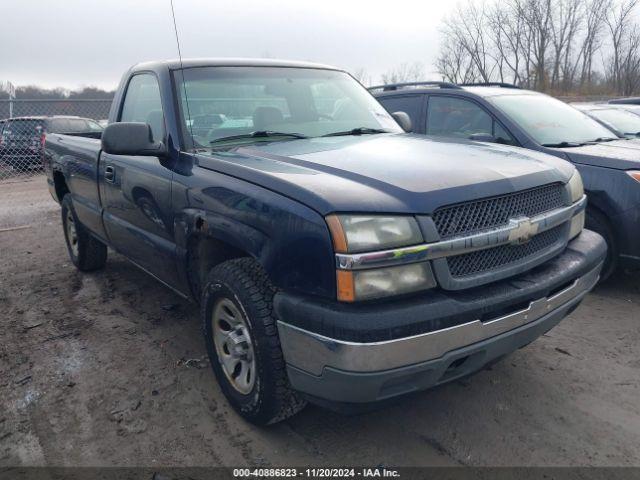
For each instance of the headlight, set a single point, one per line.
(370, 233)
(576, 189)
(384, 282)
(635, 174)
(361, 233)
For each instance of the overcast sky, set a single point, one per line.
(73, 43)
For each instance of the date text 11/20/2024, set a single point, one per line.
(316, 472)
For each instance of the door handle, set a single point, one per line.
(109, 173)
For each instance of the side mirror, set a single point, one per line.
(483, 137)
(403, 120)
(131, 138)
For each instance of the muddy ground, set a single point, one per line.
(109, 368)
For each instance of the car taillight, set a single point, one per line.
(42, 138)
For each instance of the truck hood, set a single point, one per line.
(619, 154)
(395, 173)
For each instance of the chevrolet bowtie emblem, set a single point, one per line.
(522, 230)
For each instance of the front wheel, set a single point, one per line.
(243, 345)
(86, 253)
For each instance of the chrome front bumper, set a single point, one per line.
(313, 353)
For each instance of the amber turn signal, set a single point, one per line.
(337, 234)
(346, 290)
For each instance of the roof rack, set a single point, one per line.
(490, 84)
(397, 86)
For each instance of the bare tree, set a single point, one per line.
(362, 76)
(403, 73)
(594, 12)
(454, 64)
(621, 29)
(543, 44)
(566, 23)
(508, 32)
(467, 28)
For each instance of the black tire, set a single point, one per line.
(597, 222)
(243, 282)
(86, 252)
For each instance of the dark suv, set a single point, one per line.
(503, 113)
(21, 138)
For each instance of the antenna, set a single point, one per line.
(184, 87)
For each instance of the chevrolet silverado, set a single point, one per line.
(337, 259)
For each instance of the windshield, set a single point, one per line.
(625, 122)
(219, 102)
(550, 121)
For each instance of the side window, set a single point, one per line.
(409, 104)
(460, 118)
(56, 125)
(142, 104)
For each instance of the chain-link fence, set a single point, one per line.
(23, 124)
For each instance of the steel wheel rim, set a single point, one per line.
(233, 345)
(72, 234)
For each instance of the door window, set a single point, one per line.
(460, 118)
(142, 104)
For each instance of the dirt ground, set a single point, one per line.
(109, 368)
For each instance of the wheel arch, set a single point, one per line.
(60, 185)
(204, 252)
(294, 251)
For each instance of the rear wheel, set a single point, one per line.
(597, 222)
(86, 253)
(243, 345)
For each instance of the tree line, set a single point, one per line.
(32, 92)
(558, 46)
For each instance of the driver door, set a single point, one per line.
(136, 190)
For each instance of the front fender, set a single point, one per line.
(291, 241)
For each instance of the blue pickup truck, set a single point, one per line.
(336, 258)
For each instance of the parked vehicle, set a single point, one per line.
(22, 138)
(635, 109)
(337, 259)
(626, 101)
(502, 113)
(620, 121)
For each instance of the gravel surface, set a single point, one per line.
(109, 368)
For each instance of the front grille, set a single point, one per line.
(493, 212)
(486, 260)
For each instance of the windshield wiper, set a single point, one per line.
(258, 134)
(356, 131)
(604, 139)
(562, 144)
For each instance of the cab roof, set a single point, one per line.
(177, 64)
